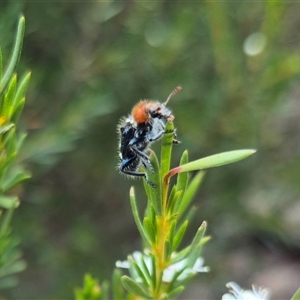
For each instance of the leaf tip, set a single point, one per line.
(22, 19)
(131, 192)
(203, 225)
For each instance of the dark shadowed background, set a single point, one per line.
(239, 66)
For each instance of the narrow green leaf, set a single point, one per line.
(13, 179)
(145, 269)
(179, 235)
(190, 193)
(1, 67)
(9, 256)
(16, 267)
(117, 289)
(137, 218)
(187, 278)
(180, 255)
(196, 245)
(6, 128)
(9, 159)
(22, 89)
(20, 140)
(194, 255)
(153, 265)
(199, 234)
(171, 236)
(12, 265)
(191, 213)
(166, 148)
(204, 240)
(147, 188)
(7, 106)
(296, 296)
(10, 141)
(6, 220)
(216, 160)
(182, 178)
(171, 197)
(186, 252)
(150, 229)
(2, 158)
(175, 292)
(15, 56)
(174, 282)
(168, 249)
(173, 201)
(154, 194)
(104, 290)
(134, 288)
(150, 212)
(17, 111)
(142, 275)
(132, 271)
(9, 202)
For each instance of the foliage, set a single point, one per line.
(91, 290)
(92, 61)
(162, 270)
(12, 99)
(296, 296)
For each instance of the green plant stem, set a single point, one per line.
(163, 220)
(159, 248)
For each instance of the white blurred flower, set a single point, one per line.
(137, 256)
(181, 265)
(170, 271)
(255, 43)
(237, 293)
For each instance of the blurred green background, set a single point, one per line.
(239, 66)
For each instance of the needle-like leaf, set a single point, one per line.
(15, 56)
(212, 161)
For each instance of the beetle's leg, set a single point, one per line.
(145, 159)
(127, 162)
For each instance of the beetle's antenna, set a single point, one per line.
(174, 92)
